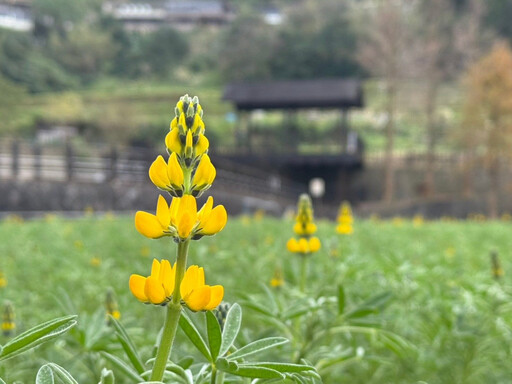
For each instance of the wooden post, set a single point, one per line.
(15, 163)
(69, 161)
(37, 162)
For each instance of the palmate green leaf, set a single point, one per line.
(37, 335)
(128, 346)
(61, 373)
(45, 375)
(214, 334)
(231, 328)
(194, 336)
(257, 347)
(123, 367)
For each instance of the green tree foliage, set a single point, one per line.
(163, 50)
(498, 17)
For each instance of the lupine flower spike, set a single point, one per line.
(111, 306)
(185, 175)
(304, 227)
(345, 219)
(8, 320)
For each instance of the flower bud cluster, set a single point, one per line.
(304, 227)
(8, 320)
(345, 219)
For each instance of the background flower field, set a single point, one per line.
(431, 284)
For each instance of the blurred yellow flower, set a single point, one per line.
(345, 219)
(3, 280)
(303, 245)
(181, 219)
(259, 215)
(145, 251)
(111, 305)
(88, 211)
(95, 261)
(8, 319)
(277, 280)
(450, 252)
(78, 244)
(418, 220)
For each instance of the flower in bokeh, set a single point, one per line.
(277, 280)
(418, 220)
(345, 219)
(95, 261)
(8, 319)
(304, 227)
(111, 306)
(3, 280)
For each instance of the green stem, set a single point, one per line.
(303, 273)
(172, 316)
(213, 379)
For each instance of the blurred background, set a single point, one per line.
(401, 107)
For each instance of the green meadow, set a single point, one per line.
(393, 303)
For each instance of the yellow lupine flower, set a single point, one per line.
(345, 229)
(3, 280)
(8, 319)
(158, 287)
(304, 228)
(196, 294)
(204, 175)
(303, 245)
(181, 219)
(167, 176)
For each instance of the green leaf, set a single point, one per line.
(62, 374)
(225, 365)
(282, 367)
(185, 362)
(194, 336)
(257, 347)
(258, 308)
(341, 299)
(37, 335)
(231, 328)
(378, 301)
(107, 376)
(214, 334)
(128, 346)
(256, 372)
(122, 367)
(361, 312)
(1, 381)
(44, 375)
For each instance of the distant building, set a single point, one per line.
(15, 16)
(182, 15)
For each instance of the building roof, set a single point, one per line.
(295, 94)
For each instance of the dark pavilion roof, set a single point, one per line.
(293, 94)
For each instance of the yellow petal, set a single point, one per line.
(167, 277)
(215, 221)
(303, 245)
(292, 245)
(205, 172)
(173, 209)
(205, 211)
(197, 125)
(189, 281)
(158, 173)
(155, 269)
(137, 283)
(162, 212)
(200, 276)
(149, 225)
(216, 296)
(199, 298)
(186, 216)
(314, 244)
(172, 141)
(174, 171)
(299, 229)
(202, 145)
(154, 290)
(310, 228)
(188, 144)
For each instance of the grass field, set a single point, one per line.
(452, 320)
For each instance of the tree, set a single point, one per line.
(487, 122)
(383, 52)
(434, 63)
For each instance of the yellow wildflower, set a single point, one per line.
(196, 295)
(277, 280)
(418, 220)
(145, 251)
(3, 280)
(181, 219)
(159, 287)
(167, 176)
(111, 306)
(8, 319)
(95, 261)
(303, 245)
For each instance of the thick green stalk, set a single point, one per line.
(213, 379)
(303, 273)
(172, 316)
